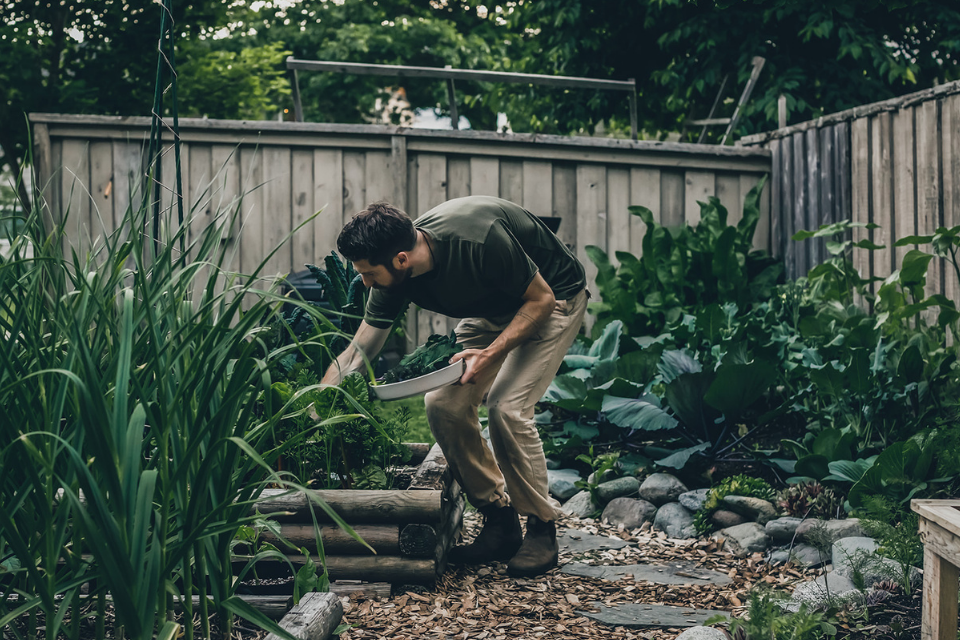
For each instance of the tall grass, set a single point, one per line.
(135, 433)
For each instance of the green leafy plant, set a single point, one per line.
(766, 619)
(604, 467)
(434, 354)
(138, 424)
(738, 485)
(898, 533)
(683, 269)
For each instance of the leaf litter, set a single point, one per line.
(484, 603)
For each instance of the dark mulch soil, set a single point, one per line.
(894, 617)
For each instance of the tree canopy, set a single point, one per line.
(78, 56)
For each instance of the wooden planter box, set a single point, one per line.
(411, 529)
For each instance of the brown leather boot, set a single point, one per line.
(499, 538)
(539, 552)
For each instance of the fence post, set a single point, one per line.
(782, 111)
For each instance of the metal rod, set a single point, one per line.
(758, 63)
(297, 105)
(459, 74)
(633, 110)
(452, 101)
(713, 109)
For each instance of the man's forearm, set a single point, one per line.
(529, 318)
(366, 344)
(347, 362)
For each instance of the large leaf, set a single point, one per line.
(738, 386)
(637, 414)
(566, 391)
(813, 466)
(679, 459)
(849, 470)
(870, 483)
(711, 320)
(640, 366)
(910, 368)
(675, 363)
(685, 395)
(607, 346)
(913, 271)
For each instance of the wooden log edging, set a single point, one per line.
(355, 506)
(315, 618)
(410, 530)
(384, 538)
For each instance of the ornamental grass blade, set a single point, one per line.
(238, 607)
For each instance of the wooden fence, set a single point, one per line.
(286, 171)
(894, 163)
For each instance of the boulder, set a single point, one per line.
(744, 539)
(661, 488)
(721, 518)
(782, 529)
(693, 500)
(580, 505)
(561, 483)
(856, 558)
(702, 633)
(802, 554)
(608, 475)
(619, 488)
(630, 512)
(829, 586)
(675, 520)
(753, 509)
(833, 530)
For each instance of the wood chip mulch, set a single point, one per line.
(484, 603)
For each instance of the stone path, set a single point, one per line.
(635, 616)
(612, 583)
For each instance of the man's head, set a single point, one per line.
(377, 241)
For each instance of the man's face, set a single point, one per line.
(385, 277)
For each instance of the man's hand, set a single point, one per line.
(478, 362)
(366, 344)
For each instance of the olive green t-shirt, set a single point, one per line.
(486, 252)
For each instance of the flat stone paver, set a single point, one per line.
(650, 615)
(673, 573)
(576, 541)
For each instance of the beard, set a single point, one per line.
(398, 276)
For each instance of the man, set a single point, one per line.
(521, 294)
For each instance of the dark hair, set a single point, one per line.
(377, 234)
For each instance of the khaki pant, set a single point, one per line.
(517, 465)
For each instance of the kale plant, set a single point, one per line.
(427, 358)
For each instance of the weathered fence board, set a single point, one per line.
(894, 163)
(280, 174)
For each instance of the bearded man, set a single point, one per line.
(521, 294)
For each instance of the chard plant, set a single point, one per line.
(137, 427)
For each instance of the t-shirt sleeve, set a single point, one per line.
(383, 308)
(506, 266)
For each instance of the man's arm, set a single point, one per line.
(366, 344)
(538, 303)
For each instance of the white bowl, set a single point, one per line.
(417, 386)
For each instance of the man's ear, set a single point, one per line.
(401, 260)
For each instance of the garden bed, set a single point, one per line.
(410, 530)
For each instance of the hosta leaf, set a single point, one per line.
(675, 363)
(679, 459)
(738, 386)
(637, 414)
